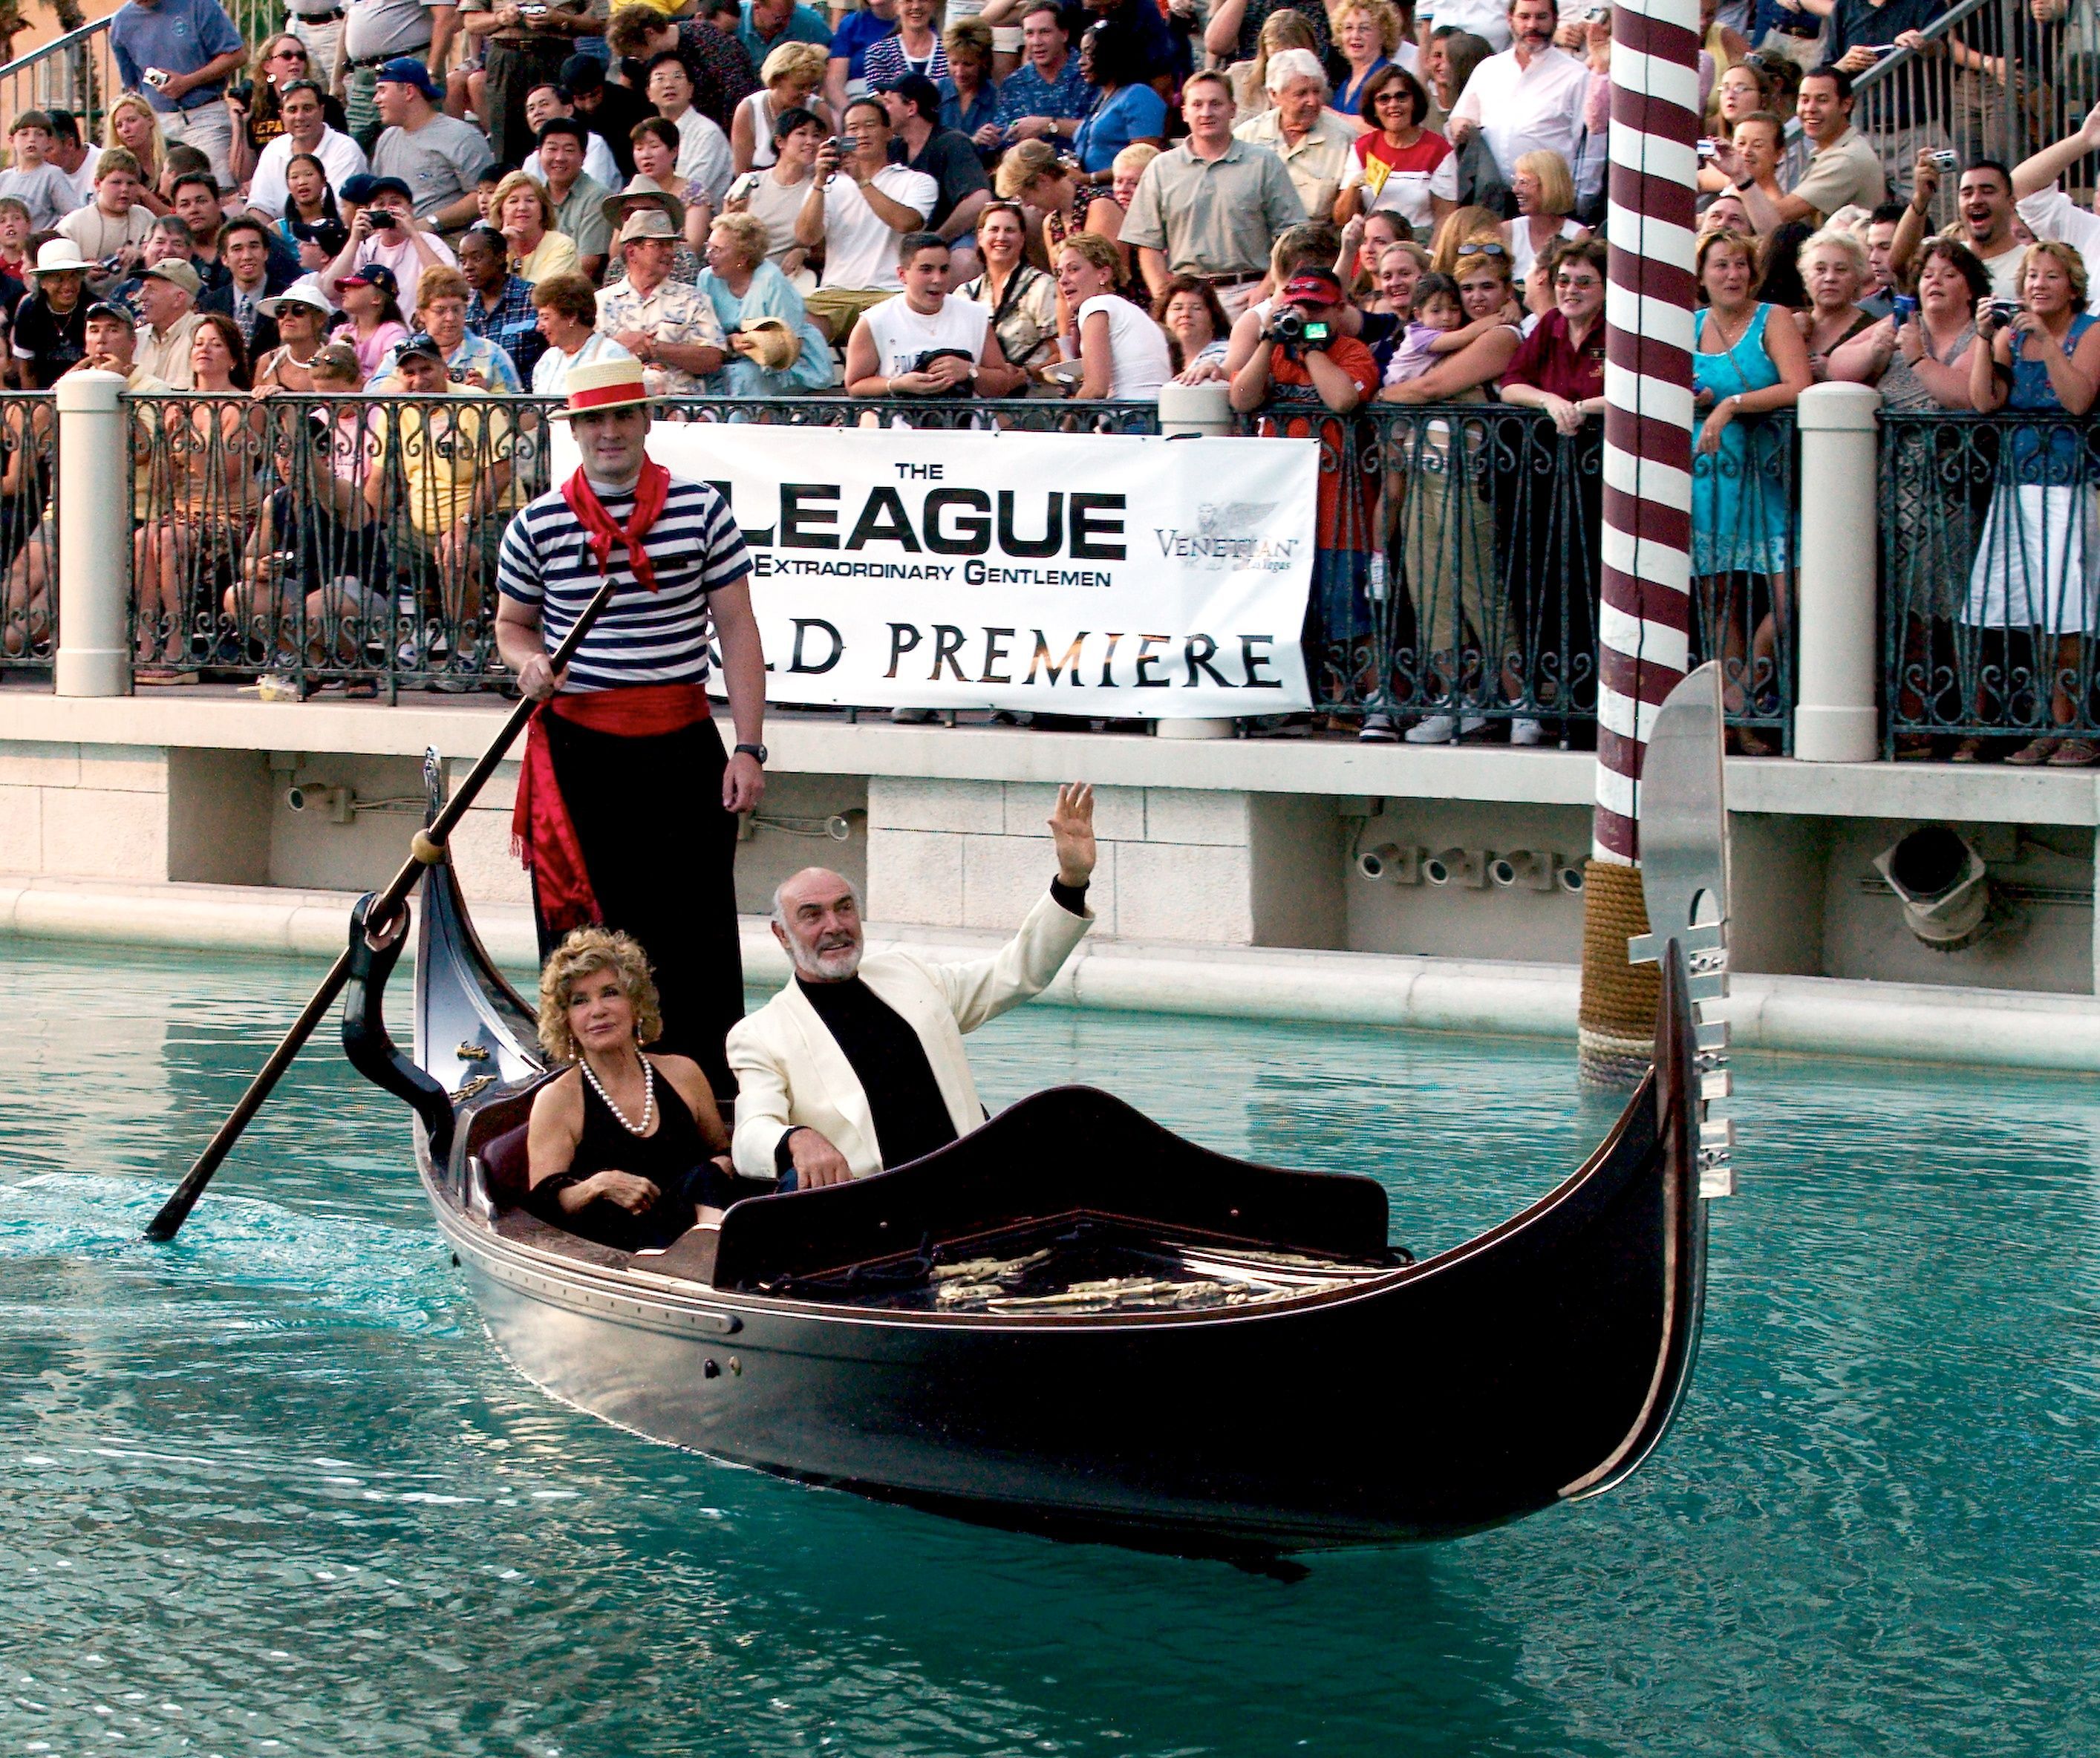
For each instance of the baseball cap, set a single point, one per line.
(372, 274)
(177, 272)
(1311, 287)
(111, 310)
(915, 89)
(582, 72)
(406, 70)
(422, 344)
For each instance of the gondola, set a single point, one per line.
(1073, 1321)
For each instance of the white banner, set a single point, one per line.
(1074, 573)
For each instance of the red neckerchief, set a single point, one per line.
(650, 494)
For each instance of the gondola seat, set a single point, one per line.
(506, 1167)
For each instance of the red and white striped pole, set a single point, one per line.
(1645, 621)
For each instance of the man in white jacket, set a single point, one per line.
(858, 1063)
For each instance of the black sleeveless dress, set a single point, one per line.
(672, 1157)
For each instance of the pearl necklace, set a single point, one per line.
(648, 1096)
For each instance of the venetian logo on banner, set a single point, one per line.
(1065, 573)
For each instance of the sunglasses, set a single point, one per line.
(1484, 250)
(290, 52)
(1402, 96)
(1577, 280)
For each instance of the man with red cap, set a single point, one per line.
(627, 802)
(1306, 358)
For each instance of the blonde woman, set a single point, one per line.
(1034, 174)
(1129, 166)
(1834, 269)
(913, 47)
(1283, 29)
(1121, 352)
(1545, 192)
(1459, 230)
(1367, 36)
(623, 1148)
(792, 72)
(525, 215)
(2033, 572)
(134, 126)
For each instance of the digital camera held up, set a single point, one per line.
(1292, 322)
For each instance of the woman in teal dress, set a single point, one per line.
(744, 288)
(1743, 363)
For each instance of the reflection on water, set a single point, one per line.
(271, 1484)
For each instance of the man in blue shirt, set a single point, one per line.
(768, 24)
(177, 53)
(1046, 98)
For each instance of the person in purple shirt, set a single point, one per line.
(176, 54)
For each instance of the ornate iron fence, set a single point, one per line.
(327, 540)
(29, 529)
(1990, 544)
(1460, 555)
(350, 542)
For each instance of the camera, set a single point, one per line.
(382, 221)
(242, 91)
(2004, 311)
(158, 76)
(1945, 158)
(1294, 329)
(1707, 150)
(1906, 308)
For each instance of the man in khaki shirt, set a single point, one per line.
(1212, 206)
(167, 298)
(1314, 144)
(1843, 171)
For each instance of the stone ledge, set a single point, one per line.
(224, 719)
(1819, 1015)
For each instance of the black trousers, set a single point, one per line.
(513, 69)
(661, 854)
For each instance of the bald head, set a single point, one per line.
(816, 918)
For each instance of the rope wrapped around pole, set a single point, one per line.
(1644, 622)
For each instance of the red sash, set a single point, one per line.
(542, 833)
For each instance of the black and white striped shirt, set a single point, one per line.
(643, 637)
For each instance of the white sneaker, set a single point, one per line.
(1526, 731)
(1377, 729)
(1441, 730)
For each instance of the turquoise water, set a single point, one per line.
(271, 1491)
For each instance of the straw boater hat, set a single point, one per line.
(775, 346)
(603, 385)
(637, 196)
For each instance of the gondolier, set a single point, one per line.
(626, 798)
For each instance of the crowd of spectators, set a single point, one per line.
(1335, 203)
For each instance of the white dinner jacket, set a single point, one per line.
(790, 1070)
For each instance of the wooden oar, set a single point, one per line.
(428, 848)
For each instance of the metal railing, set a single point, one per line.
(1460, 559)
(29, 530)
(1965, 92)
(1990, 544)
(77, 71)
(345, 540)
(351, 542)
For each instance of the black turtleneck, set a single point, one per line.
(904, 1100)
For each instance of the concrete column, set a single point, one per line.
(1185, 410)
(1836, 637)
(94, 538)
(1206, 408)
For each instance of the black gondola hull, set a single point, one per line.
(1537, 1363)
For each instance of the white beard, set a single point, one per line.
(836, 966)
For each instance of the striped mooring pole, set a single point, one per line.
(1645, 621)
